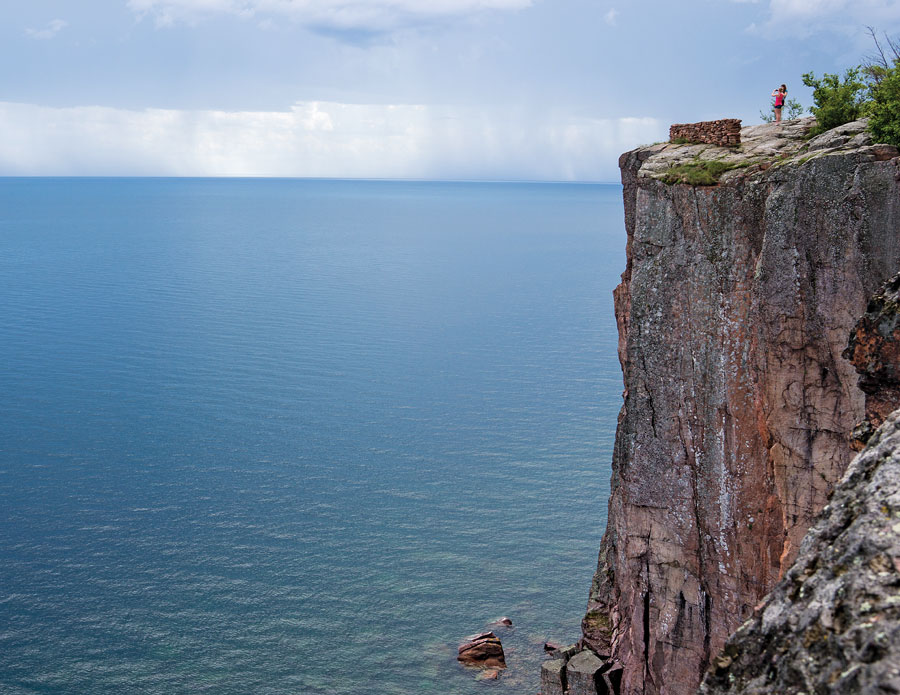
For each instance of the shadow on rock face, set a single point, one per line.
(874, 350)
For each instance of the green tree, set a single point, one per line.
(837, 101)
(884, 110)
(882, 70)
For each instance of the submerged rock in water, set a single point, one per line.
(483, 650)
(490, 674)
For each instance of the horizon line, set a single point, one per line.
(308, 178)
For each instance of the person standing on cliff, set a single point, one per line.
(780, 95)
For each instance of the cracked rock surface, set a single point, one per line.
(832, 624)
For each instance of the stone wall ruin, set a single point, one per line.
(725, 132)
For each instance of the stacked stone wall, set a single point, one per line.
(725, 132)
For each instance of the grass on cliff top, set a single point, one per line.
(700, 172)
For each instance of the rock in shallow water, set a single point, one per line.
(490, 674)
(483, 650)
(565, 652)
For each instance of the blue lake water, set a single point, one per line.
(279, 436)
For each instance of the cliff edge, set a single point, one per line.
(734, 308)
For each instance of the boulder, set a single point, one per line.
(483, 650)
(564, 653)
(584, 674)
(501, 622)
(553, 677)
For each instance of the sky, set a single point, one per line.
(548, 90)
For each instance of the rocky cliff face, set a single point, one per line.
(734, 308)
(832, 624)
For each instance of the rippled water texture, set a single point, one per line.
(273, 436)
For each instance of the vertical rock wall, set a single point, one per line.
(733, 311)
(832, 624)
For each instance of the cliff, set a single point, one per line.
(734, 308)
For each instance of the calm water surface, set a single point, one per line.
(268, 436)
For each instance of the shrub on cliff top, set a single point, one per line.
(884, 111)
(838, 101)
(872, 89)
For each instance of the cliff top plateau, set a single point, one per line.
(764, 146)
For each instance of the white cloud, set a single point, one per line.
(316, 139)
(372, 15)
(801, 18)
(610, 17)
(48, 32)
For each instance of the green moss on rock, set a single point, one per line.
(700, 172)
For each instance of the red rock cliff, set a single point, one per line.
(734, 308)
